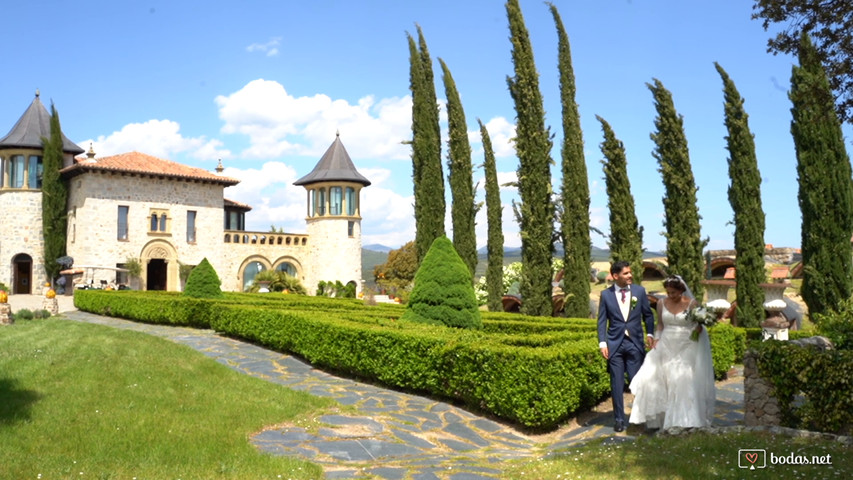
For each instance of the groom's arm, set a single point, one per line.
(648, 316)
(602, 327)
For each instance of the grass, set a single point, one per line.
(87, 401)
(694, 456)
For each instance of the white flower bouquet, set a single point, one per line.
(702, 316)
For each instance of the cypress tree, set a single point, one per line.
(574, 221)
(824, 176)
(459, 172)
(626, 236)
(745, 199)
(54, 198)
(427, 176)
(533, 147)
(495, 243)
(684, 244)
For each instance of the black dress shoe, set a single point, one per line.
(619, 426)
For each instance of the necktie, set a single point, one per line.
(624, 292)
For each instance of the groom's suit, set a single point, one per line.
(624, 337)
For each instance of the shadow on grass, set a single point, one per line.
(15, 402)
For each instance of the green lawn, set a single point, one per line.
(694, 456)
(87, 401)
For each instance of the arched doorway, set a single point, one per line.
(160, 266)
(22, 271)
(156, 274)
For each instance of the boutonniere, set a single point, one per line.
(633, 302)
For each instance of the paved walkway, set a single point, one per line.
(395, 435)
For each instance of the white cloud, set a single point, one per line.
(271, 194)
(270, 48)
(501, 133)
(278, 124)
(160, 138)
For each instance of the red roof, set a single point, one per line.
(143, 164)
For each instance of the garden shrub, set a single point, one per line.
(203, 282)
(837, 325)
(444, 292)
(822, 377)
(23, 314)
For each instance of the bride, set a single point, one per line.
(675, 385)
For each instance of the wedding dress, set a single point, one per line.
(675, 385)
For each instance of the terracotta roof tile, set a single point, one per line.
(235, 204)
(141, 163)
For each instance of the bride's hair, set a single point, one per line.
(676, 283)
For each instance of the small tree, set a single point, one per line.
(203, 282)
(443, 292)
(54, 199)
(399, 269)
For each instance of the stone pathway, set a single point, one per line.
(394, 435)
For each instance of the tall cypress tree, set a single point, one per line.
(745, 199)
(427, 176)
(495, 243)
(684, 244)
(574, 222)
(533, 147)
(54, 198)
(462, 209)
(825, 193)
(626, 236)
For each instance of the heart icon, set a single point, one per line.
(751, 457)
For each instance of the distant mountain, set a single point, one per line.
(376, 247)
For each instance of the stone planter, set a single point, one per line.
(775, 325)
(5, 314)
(717, 292)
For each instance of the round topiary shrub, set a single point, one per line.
(203, 282)
(444, 291)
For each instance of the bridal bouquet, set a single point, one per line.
(702, 316)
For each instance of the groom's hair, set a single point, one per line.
(618, 266)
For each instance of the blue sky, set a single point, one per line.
(265, 85)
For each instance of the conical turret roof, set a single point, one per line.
(31, 127)
(335, 166)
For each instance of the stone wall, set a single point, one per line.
(760, 407)
(20, 216)
(333, 253)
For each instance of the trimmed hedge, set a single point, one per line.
(533, 372)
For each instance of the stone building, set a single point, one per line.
(165, 215)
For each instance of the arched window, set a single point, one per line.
(287, 268)
(251, 271)
(162, 222)
(310, 203)
(351, 201)
(335, 201)
(153, 222)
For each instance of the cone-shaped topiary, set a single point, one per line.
(203, 282)
(444, 292)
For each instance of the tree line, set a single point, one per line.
(825, 184)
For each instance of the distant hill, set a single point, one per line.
(375, 254)
(376, 247)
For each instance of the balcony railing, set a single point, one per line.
(266, 238)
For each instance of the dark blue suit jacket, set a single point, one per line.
(611, 325)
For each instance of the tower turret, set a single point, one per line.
(334, 218)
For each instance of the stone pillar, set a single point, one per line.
(51, 305)
(760, 406)
(5, 314)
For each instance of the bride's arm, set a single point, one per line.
(659, 324)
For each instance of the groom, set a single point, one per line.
(622, 310)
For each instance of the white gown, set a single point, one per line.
(675, 385)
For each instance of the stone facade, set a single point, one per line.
(21, 240)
